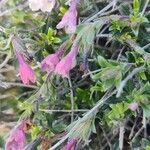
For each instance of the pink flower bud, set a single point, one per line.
(69, 20)
(67, 63)
(26, 73)
(70, 144)
(17, 139)
(133, 106)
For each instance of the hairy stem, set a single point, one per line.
(72, 100)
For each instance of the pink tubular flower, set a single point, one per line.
(69, 20)
(50, 62)
(17, 139)
(67, 63)
(70, 144)
(43, 5)
(133, 106)
(27, 75)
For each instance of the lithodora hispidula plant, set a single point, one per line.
(83, 72)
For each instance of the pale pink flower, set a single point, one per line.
(26, 73)
(133, 106)
(71, 144)
(17, 138)
(48, 5)
(43, 5)
(69, 20)
(67, 63)
(35, 5)
(50, 62)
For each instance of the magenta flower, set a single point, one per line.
(67, 63)
(69, 20)
(50, 62)
(70, 144)
(133, 106)
(26, 73)
(17, 139)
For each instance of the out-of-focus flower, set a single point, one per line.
(50, 62)
(35, 5)
(133, 106)
(26, 73)
(69, 20)
(43, 5)
(71, 144)
(67, 63)
(17, 139)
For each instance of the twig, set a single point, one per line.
(104, 35)
(104, 29)
(144, 125)
(5, 61)
(91, 72)
(130, 75)
(21, 85)
(34, 144)
(65, 111)
(25, 93)
(100, 12)
(88, 115)
(132, 130)
(146, 46)
(115, 2)
(72, 99)
(121, 136)
(140, 130)
(110, 146)
(120, 53)
(108, 12)
(111, 138)
(144, 8)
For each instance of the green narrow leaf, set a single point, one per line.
(146, 110)
(35, 131)
(103, 62)
(136, 7)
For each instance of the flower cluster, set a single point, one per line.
(69, 20)
(52, 63)
(67, 63)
